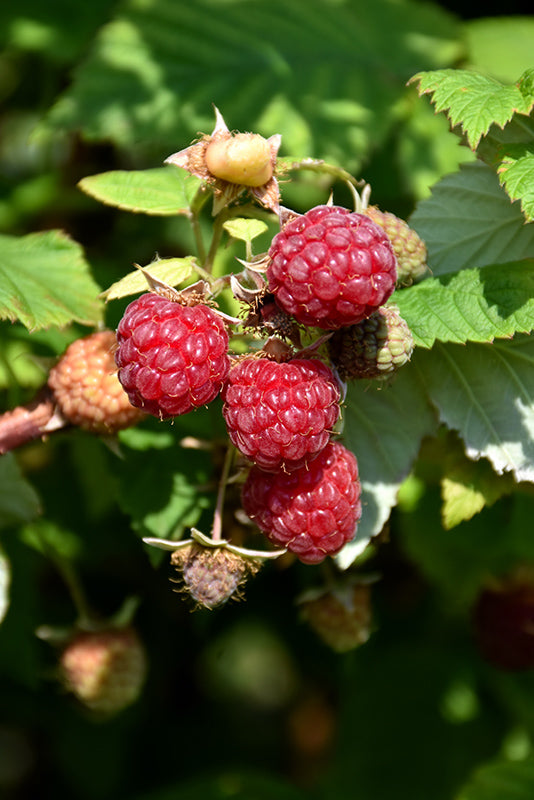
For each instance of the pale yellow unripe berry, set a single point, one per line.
(245, 158)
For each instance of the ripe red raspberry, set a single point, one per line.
(86, 388)
(331, 267)
(280, 415)
(105, 670)
(172, 358)
(314, 510)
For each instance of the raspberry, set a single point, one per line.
(86, 388)
(331, 267)
(503, 624)
(172, 358)
(280, 415)
(314, 510)
(375, 348)
(340, 617)
(407, 245)
(105, 670)
(212, 575)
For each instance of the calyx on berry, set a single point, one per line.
(213, 570)
(232, 163)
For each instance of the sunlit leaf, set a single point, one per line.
(172, 271)
(477, 305)
(45, 280)
(164, 191)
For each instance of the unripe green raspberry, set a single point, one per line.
(244, 158)
(409, 248)
(375, 348)
(212, 575)
(105, 670)
(341, 617)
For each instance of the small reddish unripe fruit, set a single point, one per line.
(503, 624)
(86, 388)
(245, 159)
(340, 617)
(105, 670)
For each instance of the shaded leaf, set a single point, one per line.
(18, 500)
(501, 780)
(172, 271)
(477, 305)
(45, 280)
(486, 393)
(469, 221)
(164, 191)
(475, 101)
(156, 70)
(383, 428)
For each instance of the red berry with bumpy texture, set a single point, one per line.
(172, 358)
(105, 670)
(86, 388)
(331, 267)
(280, 415)
(312, 511)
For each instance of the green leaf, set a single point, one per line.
(5, 584)
(170, 270)
(486, 393)
(500, 46)
(468, 487)
(164, 191)
(516, 173)
(161, 487)
(475, 101)
(383, 428)
(501, 780)
(245, 229)
(45, 280)
(470, 222)
(18, 500)
(476, 305)
(340, 68)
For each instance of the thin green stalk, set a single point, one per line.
(216, 530)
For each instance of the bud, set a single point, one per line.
(105, 670)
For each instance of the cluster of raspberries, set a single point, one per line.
(330, 269)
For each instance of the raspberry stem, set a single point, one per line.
(31, 421)
(216, 529)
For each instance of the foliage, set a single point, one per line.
(445, 450)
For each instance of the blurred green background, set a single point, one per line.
(244, 702)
